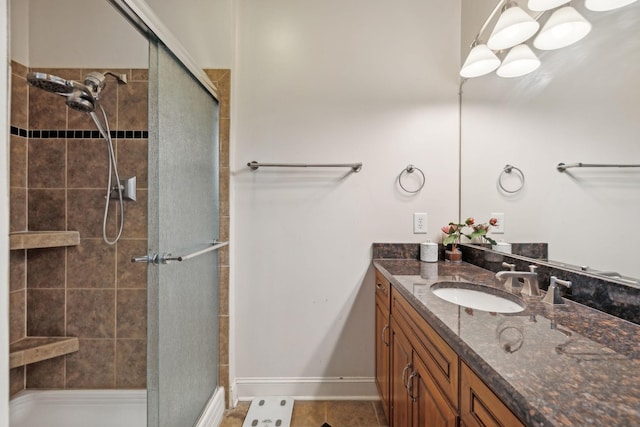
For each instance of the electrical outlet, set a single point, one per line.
(420, 223)
(498, 228)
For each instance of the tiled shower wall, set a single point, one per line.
(91, 291)
(58, 182)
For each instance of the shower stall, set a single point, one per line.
(136, 282)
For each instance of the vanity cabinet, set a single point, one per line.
(382, 340)
(479, 406)
(422, 381)
(418, 357)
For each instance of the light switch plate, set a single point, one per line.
(420, 223)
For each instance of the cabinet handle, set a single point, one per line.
(383, 335)
(404, 372)
(410, 385)
(382, 288)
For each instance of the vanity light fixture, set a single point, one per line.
(542, 5)
(519, 61)
(603, 5)
(514, 26)
(564, 27)
(480, 61)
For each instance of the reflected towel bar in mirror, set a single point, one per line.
(356, 167)
(562, 166)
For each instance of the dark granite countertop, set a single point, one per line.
(567, 366)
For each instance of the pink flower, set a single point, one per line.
(493, 221)
(449, 229)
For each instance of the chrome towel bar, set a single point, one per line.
(167, 258)
(562, 166)
(356, 167)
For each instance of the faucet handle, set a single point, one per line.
(533, 268)
(511, 267)
(553, 293)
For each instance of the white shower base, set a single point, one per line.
(95, 408)
(79, 408)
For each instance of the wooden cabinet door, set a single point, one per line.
(430, 407)
(401, 368)
(383, 351)
(479, 406)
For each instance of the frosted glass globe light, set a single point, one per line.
(514, 26)
(603, 5)
(519, 61)
(565, 27)
(479, 62)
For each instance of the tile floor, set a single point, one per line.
(336, 413)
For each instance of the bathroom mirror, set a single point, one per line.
(581, 106)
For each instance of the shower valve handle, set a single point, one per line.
(147, 259)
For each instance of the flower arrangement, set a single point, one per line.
(453, 232)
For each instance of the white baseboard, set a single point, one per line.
(308, 388)
(214, 411)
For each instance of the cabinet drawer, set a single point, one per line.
(440, 359)
(479, 406)
(383, 290)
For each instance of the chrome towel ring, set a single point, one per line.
(410, 169)
(507, 170)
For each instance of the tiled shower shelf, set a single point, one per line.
(43, 239)
(35, 349)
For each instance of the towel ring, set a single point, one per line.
(508, 169)
(411, 169)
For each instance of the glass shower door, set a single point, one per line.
(182, 350)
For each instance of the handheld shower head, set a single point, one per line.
(81, 101)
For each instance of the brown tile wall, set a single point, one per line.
(91, 291)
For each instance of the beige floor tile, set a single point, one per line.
(316, 413)
(382, 420)
(351, 414)
(309, 414)
(235, 417)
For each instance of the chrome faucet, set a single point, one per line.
(509, 284)
(530, 287)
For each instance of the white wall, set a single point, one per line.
(19, 23)
(332, 81)
(76, 33)
(205, 28)
(580, 106)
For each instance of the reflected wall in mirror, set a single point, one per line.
(581, 105)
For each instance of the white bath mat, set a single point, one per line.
(269, 412)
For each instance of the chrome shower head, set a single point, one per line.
(80, 97)
(50, 83)
(81, 101)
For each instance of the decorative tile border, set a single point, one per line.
(77, 134)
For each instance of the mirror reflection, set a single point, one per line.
(580, 106)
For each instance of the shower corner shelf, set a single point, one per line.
(43, 239)
(35, 349)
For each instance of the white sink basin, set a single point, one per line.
(478, 297)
